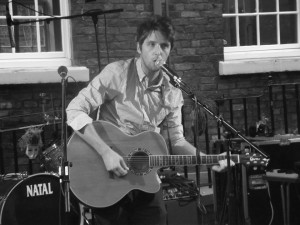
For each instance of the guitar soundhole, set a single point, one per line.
(139, 162)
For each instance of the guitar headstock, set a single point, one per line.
(253, 159)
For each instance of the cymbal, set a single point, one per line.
(29, 114)
(27, 127)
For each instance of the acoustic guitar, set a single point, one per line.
(144, 154)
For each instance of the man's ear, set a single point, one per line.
(138, 48)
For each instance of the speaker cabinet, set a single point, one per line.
(256, 201)
(182, 212)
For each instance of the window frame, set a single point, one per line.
(44, 59)
(277, 57)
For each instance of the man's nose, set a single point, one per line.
(158, 49)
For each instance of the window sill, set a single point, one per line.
(41, 75)
(235, 67)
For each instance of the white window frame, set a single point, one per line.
(43, 59)
(41, 67)
(261, 58)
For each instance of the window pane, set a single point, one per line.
(268, 30)
(247, 6)
(26, 33)
(24, 8)
(287, 5)
(5, 46)
(229, 6)
(51, 37)
(288, 29)
(25, 36)
(230, 31)
(248, 30)
(50, 7)
(267, 5)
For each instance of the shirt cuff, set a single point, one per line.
(80, 121)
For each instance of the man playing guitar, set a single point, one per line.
(135, 96)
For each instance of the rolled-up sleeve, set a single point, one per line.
(88, 100)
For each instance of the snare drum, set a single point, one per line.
(36, 199)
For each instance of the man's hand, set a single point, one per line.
(114, 163)
(112, 160)
(222, 164)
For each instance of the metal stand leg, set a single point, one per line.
(283, 203)
(285, 198)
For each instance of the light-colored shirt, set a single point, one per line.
(123, 96)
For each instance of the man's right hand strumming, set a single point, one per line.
(114, 163)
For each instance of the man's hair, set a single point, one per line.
(156, 23)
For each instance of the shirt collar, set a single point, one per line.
(142, 75)
(139, 69)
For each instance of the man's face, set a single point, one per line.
(155, 47)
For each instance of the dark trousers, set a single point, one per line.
(136, 208)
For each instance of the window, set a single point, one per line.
(37, 39)
(260, 31)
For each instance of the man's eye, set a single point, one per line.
(164, 46)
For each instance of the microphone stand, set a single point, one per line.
(230, 198)
(176, 81)
(95, 22)
(64, 170)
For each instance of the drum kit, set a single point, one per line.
(35, 199)
(39, 198)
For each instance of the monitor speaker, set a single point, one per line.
(256, 199)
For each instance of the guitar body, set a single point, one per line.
(144, 153)
(93, 185)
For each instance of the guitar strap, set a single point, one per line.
(169, 140)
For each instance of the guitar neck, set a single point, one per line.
(187, 160)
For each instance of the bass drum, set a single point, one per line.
(36, 199)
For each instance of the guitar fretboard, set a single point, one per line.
(188, 160)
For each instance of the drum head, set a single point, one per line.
(36, 200)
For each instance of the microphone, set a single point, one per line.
(62, 71)
(175, 80)
(169, 71)
(9, 23)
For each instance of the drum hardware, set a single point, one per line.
(14, 176)
(52, 158)
(32, 114)
(27, 127)
(47, 116)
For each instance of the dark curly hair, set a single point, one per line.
(156, 23)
